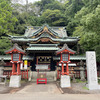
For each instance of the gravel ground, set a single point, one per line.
(4, 89)
(79, 88)
(76, 88)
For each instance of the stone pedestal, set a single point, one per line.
(15, 81)
(65, 81)
(91, 71)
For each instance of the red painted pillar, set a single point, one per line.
(24, 74)
(67, 70)
(62, 69)
(27, 74)
(18, 68)
(13, 68)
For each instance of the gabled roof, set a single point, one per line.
(56, 31)
(15, 48)
(65, 48)
(35, 33)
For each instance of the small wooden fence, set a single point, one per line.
(24, 74)
(77, 74)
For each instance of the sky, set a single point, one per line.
(33, 0)
(24, 1)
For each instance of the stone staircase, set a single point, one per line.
(51, 76)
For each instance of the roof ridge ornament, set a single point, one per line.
(15, 45)
(65, 45)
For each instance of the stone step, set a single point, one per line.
(51, 76)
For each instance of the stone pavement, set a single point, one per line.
(45, 92)
(37, 96)
(49, 88)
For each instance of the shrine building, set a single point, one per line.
(40, 45)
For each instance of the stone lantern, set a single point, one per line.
(82, 75)
(65, 58)
(64, 53)
(16, 59)
(2, 63)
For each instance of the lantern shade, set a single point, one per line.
(16, 57)
(65, 57)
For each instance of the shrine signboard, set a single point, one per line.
(42, 67)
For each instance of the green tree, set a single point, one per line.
(88, 29)
(7, 20)
(43, 5)
(72, 7)
(5, 44)
(53, 17)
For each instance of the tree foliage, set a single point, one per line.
(7, 22)
(88, 27)
(7, 19)
(53, 17)
(81, 18)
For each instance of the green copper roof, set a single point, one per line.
(77, 58)
(8, 57)
(72, 58)
(33, 31)
(68, 39)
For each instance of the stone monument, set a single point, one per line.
(91, 70)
